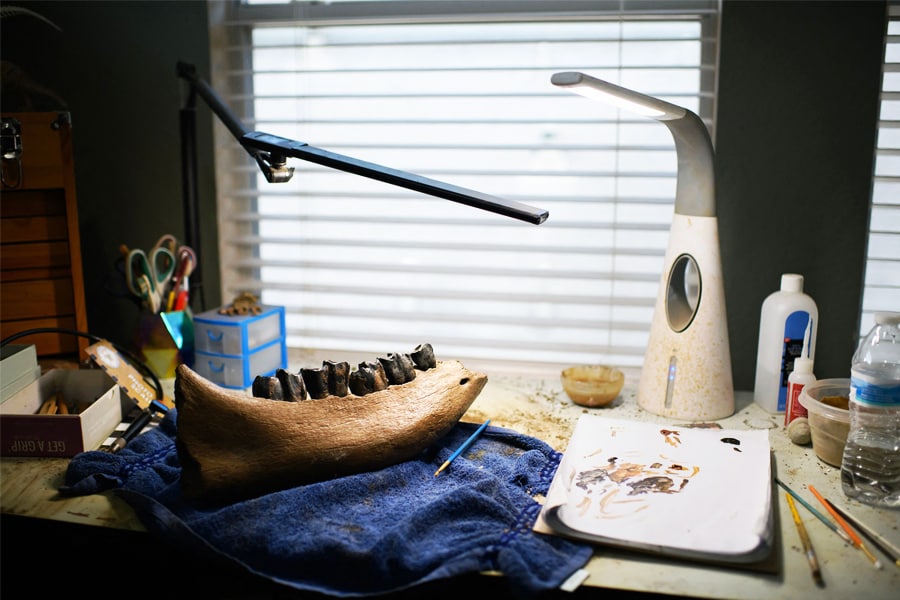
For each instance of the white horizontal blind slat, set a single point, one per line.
(882, 282)
(362, 265)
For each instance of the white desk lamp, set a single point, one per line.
(687, 365)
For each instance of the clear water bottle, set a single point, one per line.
(870, 470)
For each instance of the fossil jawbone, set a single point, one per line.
(233, 446)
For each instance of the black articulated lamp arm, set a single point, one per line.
(271, 152)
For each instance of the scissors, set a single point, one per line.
(148, 277)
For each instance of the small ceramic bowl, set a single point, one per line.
(592, 385)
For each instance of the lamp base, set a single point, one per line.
(687, 373)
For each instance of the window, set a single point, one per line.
(459, 92)
(882, 287)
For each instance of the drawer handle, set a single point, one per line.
(215, 338)
(215, 368)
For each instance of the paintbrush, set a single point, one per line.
(462, 448)
(882, 544)
(807, 544)
(828, 523)
(856, 541)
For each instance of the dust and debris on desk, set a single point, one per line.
(540, 408)
(534, 407)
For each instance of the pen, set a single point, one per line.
(134, 428)
(807, 544)
(856, 541)
(462, 448)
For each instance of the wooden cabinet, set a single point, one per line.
(41, 280)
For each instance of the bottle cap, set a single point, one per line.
(803, 366)
(791, 282)
(887, 318)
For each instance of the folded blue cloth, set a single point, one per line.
(364, 534)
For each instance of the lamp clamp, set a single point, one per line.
(274, 167)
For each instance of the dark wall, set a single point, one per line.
(113, 65)
(797, 112)
(798, 108)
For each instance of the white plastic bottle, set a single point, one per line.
(784, 318)
(800, 377)
(870, 468)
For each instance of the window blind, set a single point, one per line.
(882, 283)
(459, 92)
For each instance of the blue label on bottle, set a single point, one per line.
(794, 331)
(886, 395)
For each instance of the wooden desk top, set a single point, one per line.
(28, 487)
(537, 406)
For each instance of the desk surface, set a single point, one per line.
(537, 406)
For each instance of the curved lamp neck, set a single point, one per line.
(695, 192)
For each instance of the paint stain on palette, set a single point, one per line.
(623, 486)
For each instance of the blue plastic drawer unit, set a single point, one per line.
(238, 335)
(232, 350)
(239, 371)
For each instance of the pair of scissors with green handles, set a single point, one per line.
(149, 275)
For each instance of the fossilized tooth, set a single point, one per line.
(375, 377)
(360, 382)
(408, 367)
(316, 381)
(292, 387)
(379, 377)
(398, 368)
(423, 357)
(232, 446)
(337, 374)
(368, 377)
(392, 369)
(265, 386)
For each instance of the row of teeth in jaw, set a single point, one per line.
(337, 378)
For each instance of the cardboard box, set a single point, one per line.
(18, 367)
(100, 410)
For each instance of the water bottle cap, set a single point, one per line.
(887, 318)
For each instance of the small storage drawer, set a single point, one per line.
(237, 335)
(240, 371)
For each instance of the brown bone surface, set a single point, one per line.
(232, 446)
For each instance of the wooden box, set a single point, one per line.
(41, 280)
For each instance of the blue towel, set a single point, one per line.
(391, 529)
